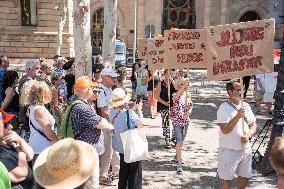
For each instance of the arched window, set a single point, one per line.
(29, 12)
(249, 16)
(179, 14)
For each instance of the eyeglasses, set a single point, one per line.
(96, 92)
(239, 90)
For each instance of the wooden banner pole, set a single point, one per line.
(242, 103)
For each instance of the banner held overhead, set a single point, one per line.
(185, 48)
(156, 53)
(240, 49)
(142, 48)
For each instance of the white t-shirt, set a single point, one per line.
(104, 98)
(270, 81)
(232, 140)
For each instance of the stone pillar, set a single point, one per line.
(207, 16)
(223, 15)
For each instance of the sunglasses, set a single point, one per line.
(96, 92)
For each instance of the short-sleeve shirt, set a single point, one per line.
(4, 177)
(261, 78)
(225, 114)
(84, 121)
(9, 157)
(119, 121)
(105, 96)
(179, 109)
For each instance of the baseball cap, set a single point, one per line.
(83, 82)
(109, 72)
(6, 117)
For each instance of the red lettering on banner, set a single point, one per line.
(191, 57)
(157, 60)
(228, 66)
(234, 37)
(240, 51)
(183, 35)
(143, 53)
(179, 46)
(152, 52)
(159, 42)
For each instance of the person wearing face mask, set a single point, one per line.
(235, 153)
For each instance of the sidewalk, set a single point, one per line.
(201, 144)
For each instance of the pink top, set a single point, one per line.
(180, 107)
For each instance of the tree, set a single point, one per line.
(82, 38)
(63, 7)
(109, 33)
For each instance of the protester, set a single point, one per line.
(57, 102)
(180, 115)
(103, 103)
(41, 122)
(4, 64)
(246, 81)
(164, 103)
(86, 124)
(4, 174)
(265, 87)
(97, 69)
(235, 153)
(70, 77)
(134, 75)
(45, 71)
(32, 72)
(152, 96)
(15, 154)
(11, 96)
(66, 164)
(130, 174)
(58, 67)
(99, 59)
(141, 88)
(277, 160)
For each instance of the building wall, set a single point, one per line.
(23, 42)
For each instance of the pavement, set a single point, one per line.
(200, 148)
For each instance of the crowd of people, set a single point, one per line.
(57, 131)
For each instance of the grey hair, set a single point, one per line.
(30, 64)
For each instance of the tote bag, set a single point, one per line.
(134, 143)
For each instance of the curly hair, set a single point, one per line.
(9, 78)
(39, 94)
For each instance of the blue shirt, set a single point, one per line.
(84, 121)
(119, 121)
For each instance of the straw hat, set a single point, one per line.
(66, 164)
(119, 97)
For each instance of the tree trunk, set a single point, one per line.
(109, 33)
(63, 7)
(82, 38)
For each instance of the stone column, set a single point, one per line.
(207, 8)
(223, 15)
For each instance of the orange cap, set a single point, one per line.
(83, 82)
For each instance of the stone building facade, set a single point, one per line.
(34, 36)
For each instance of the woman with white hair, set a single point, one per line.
(130, 174)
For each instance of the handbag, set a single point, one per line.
(135, 145)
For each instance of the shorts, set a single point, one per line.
(134, 85)
(180, 133)
(231, 162)
(258, 95)
(268, 97)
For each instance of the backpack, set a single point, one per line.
(66, 129)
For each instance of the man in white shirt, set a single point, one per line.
(235, 155)
(103, 103)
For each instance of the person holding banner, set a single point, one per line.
(237, 125)
(181, 112)
(165, 89)
(152, 96)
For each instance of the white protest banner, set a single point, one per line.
(185, 48)
(142, 48)
(155, 53)
(240, 49)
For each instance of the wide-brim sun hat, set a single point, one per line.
(119, 97)
(66, 164)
